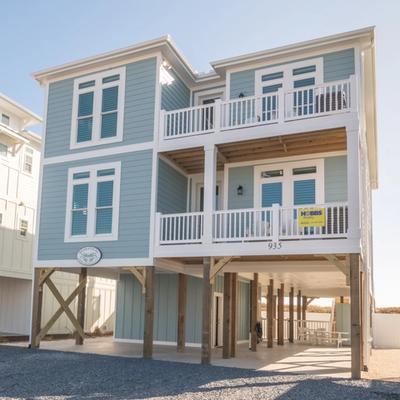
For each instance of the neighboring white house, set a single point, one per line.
(19, 180)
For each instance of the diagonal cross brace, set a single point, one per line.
(140, 275)
(64, 307)
(217, 267)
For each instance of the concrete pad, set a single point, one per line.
(290, 358)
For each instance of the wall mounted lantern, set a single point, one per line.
(239, 190)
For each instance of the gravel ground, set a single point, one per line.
(42, 374)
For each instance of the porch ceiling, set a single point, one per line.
(192, 160)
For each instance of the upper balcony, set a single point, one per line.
(279, 107)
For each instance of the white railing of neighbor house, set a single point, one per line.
(305, 102)
(274, 224)
(181, 228)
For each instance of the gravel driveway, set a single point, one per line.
(42, 374)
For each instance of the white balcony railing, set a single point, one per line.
(245, 225)
(306, 102)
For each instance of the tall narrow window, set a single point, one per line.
(28, 160)
(93, 203)
(98, 106)
(3, 150)
(23, 227)
(5, 119)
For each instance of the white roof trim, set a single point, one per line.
(21, 110)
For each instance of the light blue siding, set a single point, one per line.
(138, 113)
(134, 219)
(172, 189)
(241, 176)
(338, 65)
(130, 308)
(336, 179)
(176, 95)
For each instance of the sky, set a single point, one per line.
(40, 34)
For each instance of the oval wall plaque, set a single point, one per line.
(89, 255)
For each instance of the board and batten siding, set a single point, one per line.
(175, 95)
(335, 183)
(172, 189)
(130, 308)
(338, 65)
(134, 209)
(138, 112)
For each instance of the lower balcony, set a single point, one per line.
(271, 226)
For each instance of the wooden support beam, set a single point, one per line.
(182, 295)
(46, 273)
(206, 313)
(80, 314)
(270, 305)
(37, 300)
(355, 316)
(218, 266)
(148, 313)
(226, 327)
(253, 311)
(341, 266)
(274, 316)
(291, 315)
(281, 296)
(140, 275)
(304, 309)
(234, 310)
(298, 306)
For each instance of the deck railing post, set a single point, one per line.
(275, 222)
(161, 133)
(210, 166)
(157, 229)
(217, 115)
(281, 106)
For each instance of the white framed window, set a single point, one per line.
(5, 119)
(1, 218)
(23, 228)
(28, 160)
(98, 109)
(3, 150)
(92, 212)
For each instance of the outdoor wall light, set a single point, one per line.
(239, 190)
(241, 94)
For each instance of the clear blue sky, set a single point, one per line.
(39, 34)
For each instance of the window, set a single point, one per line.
(28, 160)
(3, 150)
(23, 227)
(272, 174)
(1, 218)
(5, 119)
(93, 203)
(98, 108)
(304, 170)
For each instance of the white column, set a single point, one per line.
(210, 167)
(353, 183)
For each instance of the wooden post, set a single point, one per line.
(304, 309)
(270, 305)
(182, 294)
(253, 311)
(226, 328)
(298, 306)
(148, 313)
(355, 316)
(281, 314)
(206, 313)
(274, 316)
(291, 315)
(341, 299)
(37, 301)
(80, 315)
(233, 318)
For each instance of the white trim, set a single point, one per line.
(156, 342)
(103, 263)
(91, 206)
(209, 94)
(95, 153)
(288, 77)
(287, 180)
(97, 90)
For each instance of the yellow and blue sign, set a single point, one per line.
(312, 216)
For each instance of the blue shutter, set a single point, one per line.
(304, 82)
(84, 130)
(304, 192)
(104, 200)
(79, 209)
(85, 106)
(271, 193)
(109, 125)
(110, 99)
